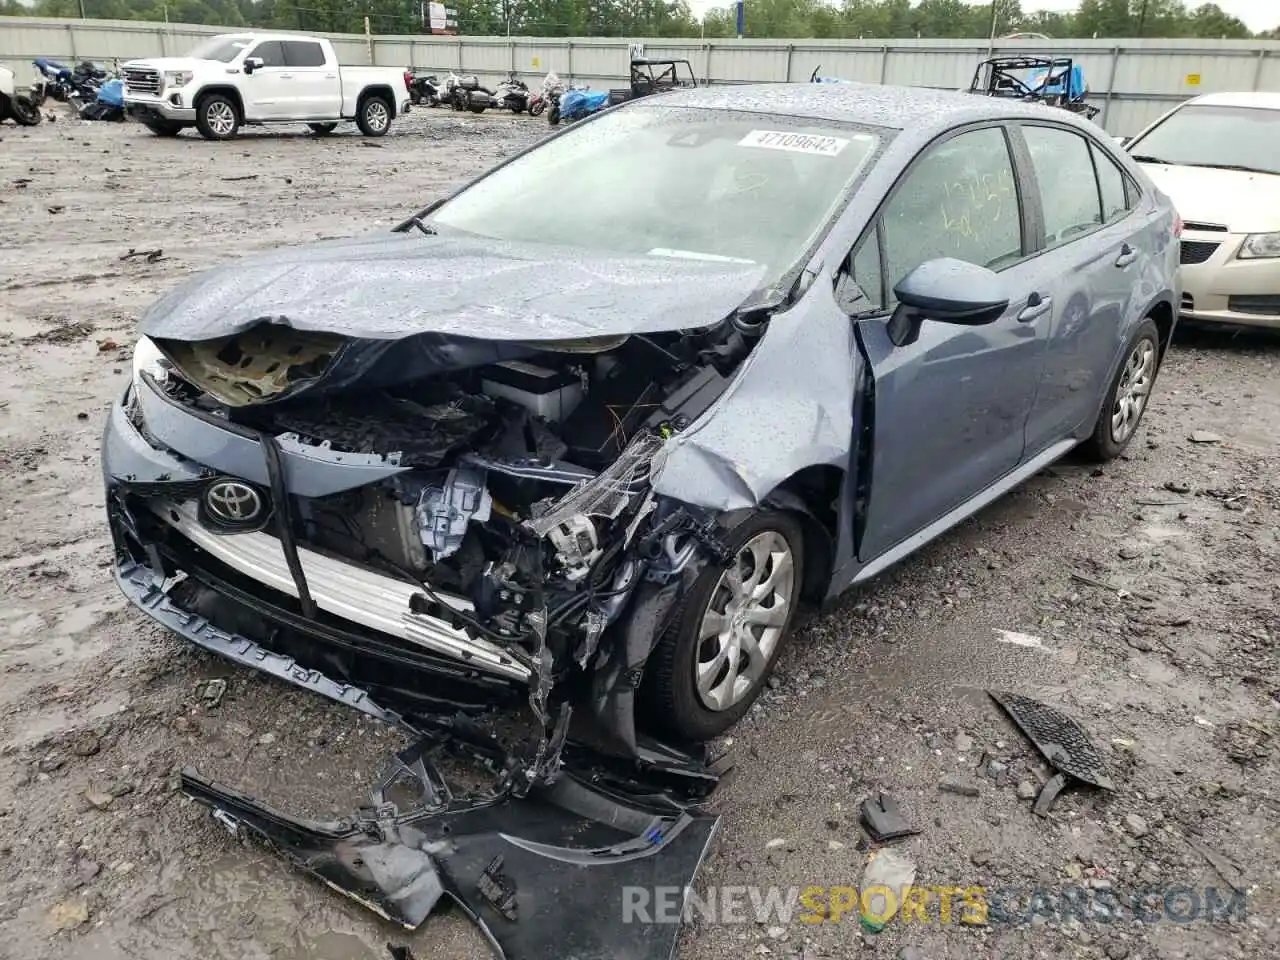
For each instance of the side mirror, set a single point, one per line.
(253, 63)
(946, 291)
(1123, 141)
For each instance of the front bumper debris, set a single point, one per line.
(545, 875)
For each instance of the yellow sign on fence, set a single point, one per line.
(1193, 79)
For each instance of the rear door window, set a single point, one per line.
(1111, 184)
(300, 53)
(1068, 186)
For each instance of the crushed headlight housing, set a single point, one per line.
(1259, 246)
(177, 78)
(147, 358)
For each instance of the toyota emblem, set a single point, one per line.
(233, 503)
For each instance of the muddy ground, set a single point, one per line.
(1152, 587)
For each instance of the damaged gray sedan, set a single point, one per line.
(584, 435)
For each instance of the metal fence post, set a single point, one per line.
(1111, 86)
(71, 40)
(791, 48)
(512, 44)
(458, 43)
(706, 64)
(884, 63)
(568, 49)
(1257, 71)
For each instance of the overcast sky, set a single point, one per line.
(1257, 14)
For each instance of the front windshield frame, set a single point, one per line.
(229, 46)
(1136, 149)
(782, 278)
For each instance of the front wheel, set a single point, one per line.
(708, 668)
(374, 117)
(553, 115)
(322, 129)
(217, 117)
(163, 128)
(1127, 397)
(25, 113)
(536, 108)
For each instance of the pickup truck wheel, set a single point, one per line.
(163, 128)
(374, 116)
(708, 668)
(1127, 397)
(217, 117)
(322, 129)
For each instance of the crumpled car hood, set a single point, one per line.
(392, 285)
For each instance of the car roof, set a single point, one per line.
(1267, 101)
(918, 109)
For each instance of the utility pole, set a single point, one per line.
(1142, 17)
(742, 18)
(82, 16)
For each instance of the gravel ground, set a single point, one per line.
(1152, 587)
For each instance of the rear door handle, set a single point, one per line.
(1127, 256)
(286, 76)
(1037, 306)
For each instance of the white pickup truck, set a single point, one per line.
(252, 78)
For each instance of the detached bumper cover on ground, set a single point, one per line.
(544, 875)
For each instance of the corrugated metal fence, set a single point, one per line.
(1133, 81)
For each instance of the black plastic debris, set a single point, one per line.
(497, 889)
(1062, 741)
(400, 953)
(884, 820)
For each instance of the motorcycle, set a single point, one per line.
(549, 94)
(24, 111)
(423, 88)
(574, 104)
(465, 93)
(108, 105)
(513, 94)
(62, 83)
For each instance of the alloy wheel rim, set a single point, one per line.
(1133, 391)
(221, 118)
(744, 621)
(376, 115)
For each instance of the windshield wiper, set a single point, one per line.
(1147, 158)
(1232, 166)
(425, 228)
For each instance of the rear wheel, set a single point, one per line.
(217, 117)
(24, 112)
(322, 129)
(708, 668)
(374, 116)
(553, 115)
(163, 128)
(1128, 396)
(536, 108)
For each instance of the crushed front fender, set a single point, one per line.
(544, 875)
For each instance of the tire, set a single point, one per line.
(669, 693)
(24, 112)
(373, 116)
(1118, 420)
(163, 128)
(478, 107)
(553, 115)
(322, 129)
(536, 108)
(217, 117)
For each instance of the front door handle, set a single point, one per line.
(286, 76)
(1037, 306)
(1127, 256)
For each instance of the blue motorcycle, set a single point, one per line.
(576, 104)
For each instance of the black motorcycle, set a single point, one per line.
(466, 93)
(424, 89)
(513, 94)
(59, 82)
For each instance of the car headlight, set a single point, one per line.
(177, 78)
(1260, 245)
(147, 358)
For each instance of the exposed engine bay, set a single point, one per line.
(523, 483)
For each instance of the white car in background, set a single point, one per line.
(1218, 158)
